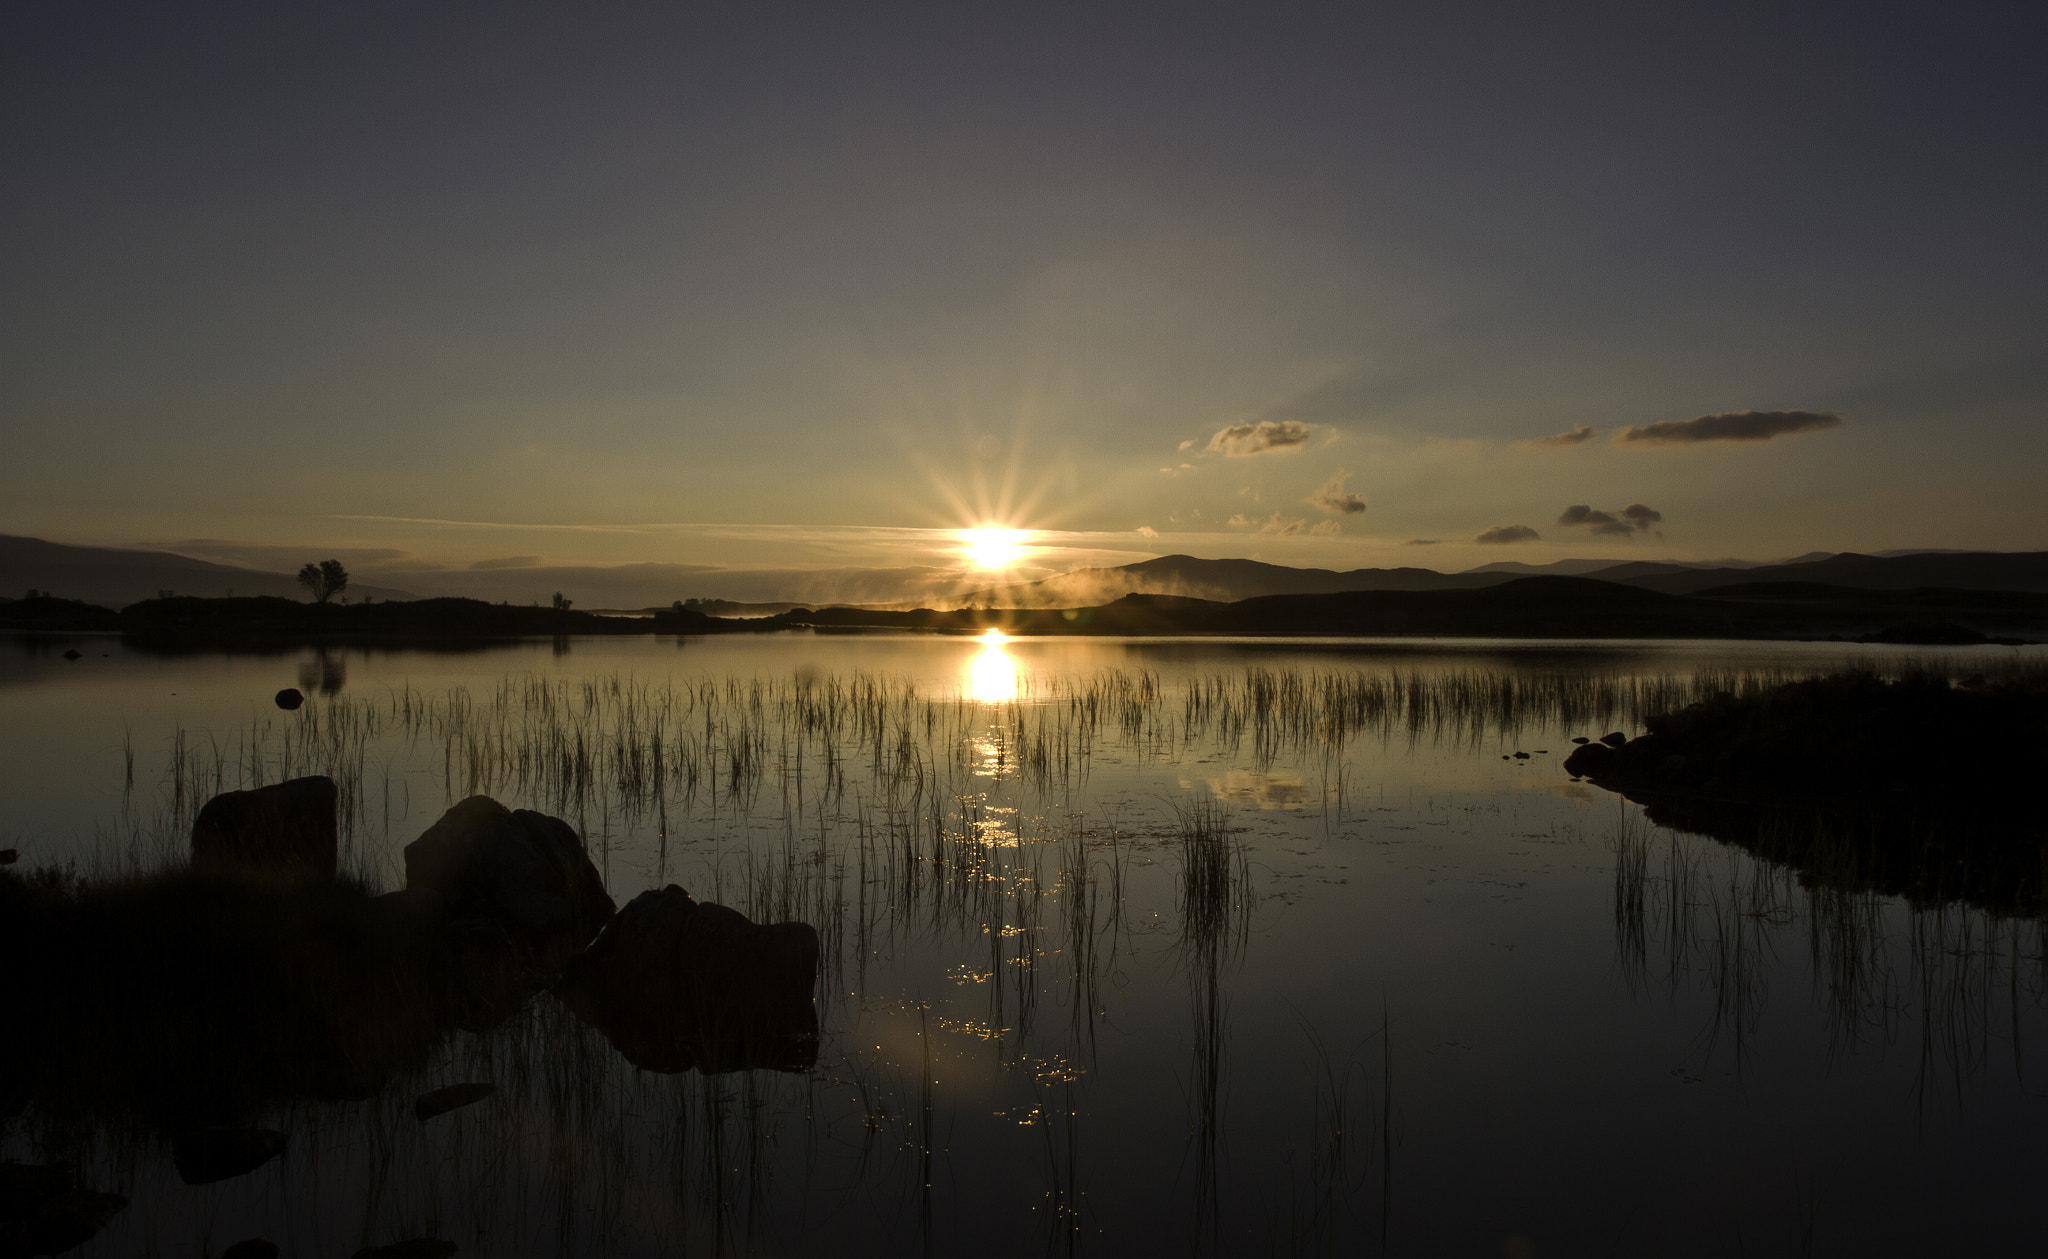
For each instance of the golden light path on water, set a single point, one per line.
(990, 675)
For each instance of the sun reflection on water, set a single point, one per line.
(991, 675)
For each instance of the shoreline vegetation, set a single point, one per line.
(1530, 607)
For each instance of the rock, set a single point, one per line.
(453, 1097)
(205, 1155)
(1521, 756)
(417, 1248)
(8, 856)
(1590, 760)
(290, 698)
(251, 1248)
(524, 875)
(674, 984)
(73, 653)
(286, 828)
(1615, 739)
(1581, 739)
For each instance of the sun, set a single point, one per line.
(991, 548)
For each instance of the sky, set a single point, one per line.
(478, 288)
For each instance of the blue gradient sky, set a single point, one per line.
(792, 285)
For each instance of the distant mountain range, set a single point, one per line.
(1227, 581)
(115, 578)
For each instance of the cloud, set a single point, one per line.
(1501, 535)
(1278, 525)
(1634, 518)
(1240, 440)
(1332, 498)
(1577, 437)
(1420, 542)
(1147, 531)
(1189, 443)
(1729, 426)
(510, 561)
(1326, 529)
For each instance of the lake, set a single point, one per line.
(1130, 947)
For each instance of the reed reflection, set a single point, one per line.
(990, 677)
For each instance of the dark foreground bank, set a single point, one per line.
(190, 1004)
(1917, 786)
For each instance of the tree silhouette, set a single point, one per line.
(325, 579)
(561, 604)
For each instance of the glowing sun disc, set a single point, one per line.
(992, 548)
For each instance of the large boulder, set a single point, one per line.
(518, 898)
(285, 828)
(674, 984)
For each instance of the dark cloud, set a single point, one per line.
(1634, 518)
(1729, 426)
(1501, 535)
(1332, 498)
(509, 561)
(1420, 542)
(1577, 436)
(1256, 439)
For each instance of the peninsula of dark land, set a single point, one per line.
(1529, 607)
(1914, 786)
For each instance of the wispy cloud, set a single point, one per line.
(1420, 542)
(1634, 518)
(1281, 526)
(509, 561)
(1728, 426)
(1577, 437)
(1332, 498)
(1147, 531)
(1501, 535)
(1240, 440)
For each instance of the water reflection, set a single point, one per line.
(325, 671)
(991, 676)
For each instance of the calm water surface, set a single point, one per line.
(1131, 947)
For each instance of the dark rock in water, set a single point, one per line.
(290, 698)
(453, 1097)
(73, 653)
(674, 984)
(417, 1248)
(1582, 739)
(286, 828)
(1589, 760)
(1615, 739)
(522, 876)
(44, 1212)
(8, 856)
(251, 1248)
(1521, 756)
(206, 1155)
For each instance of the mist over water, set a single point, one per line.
(1129, 947)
